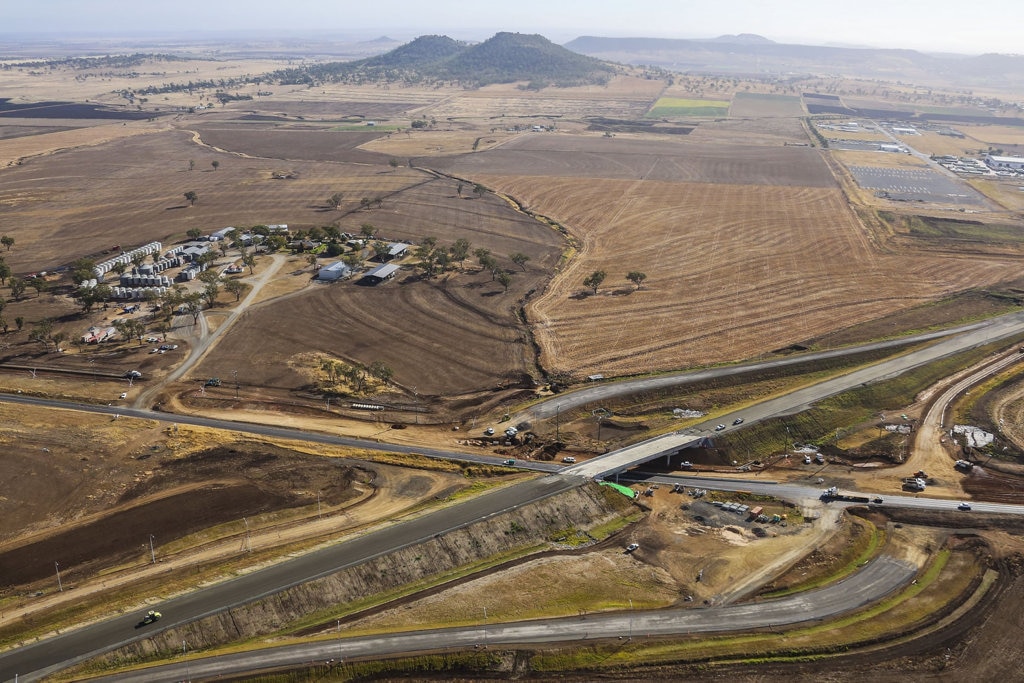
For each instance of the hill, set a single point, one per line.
(749, 54)
(503, 58)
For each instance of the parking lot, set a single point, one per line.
(920, 185)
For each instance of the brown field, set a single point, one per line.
(760, 105)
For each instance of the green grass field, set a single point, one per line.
(667, 107)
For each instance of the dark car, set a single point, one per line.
(151, 616)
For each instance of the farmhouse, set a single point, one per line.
(334, 271)
(381, 273)
(1005, 163)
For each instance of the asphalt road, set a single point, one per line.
(801, 399)
(55, 653)
(880, 577)
(31, 662)
(276, 432)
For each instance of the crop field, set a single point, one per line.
(762, 105)
(450, 335)
(625, 158)
(677, 106)
(733, 271)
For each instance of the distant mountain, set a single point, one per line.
(747, 38)
(503, 58)
(748, 54)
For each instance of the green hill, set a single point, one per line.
(504, 58)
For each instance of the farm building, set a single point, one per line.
(95, 335)
(220, 234)
(193, 251)
(333, 271)
(1005, 163)
(278, 229)
(381, 273)
(396, 250)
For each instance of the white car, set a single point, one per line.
(152, 340)
(489, 431)
(632, 546)
(569, 459)
(124, 395)
(963, 506)
(719, 428)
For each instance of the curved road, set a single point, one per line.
(880, 577)
(56, 653)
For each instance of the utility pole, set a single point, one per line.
(60, 586)
(236, 383)
(184, 654)
(152, 553)
(248, 538)
(318, 505)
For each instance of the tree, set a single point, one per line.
(210, 292)
(381, 371)
(368, 230)
(504, 278)
(42, 332)
(249, 261)
(4, 324)
(90, 296)
(193, 306)
(7, 241)
(636, 277)
(208, 276)
(380, 249)
(138, 259)
(426, 253)
(276, 242)
(364, 203)
(479, 190)
(458, 189)
(39, 284)
(519, 259)
(352, 259)
(19, 322)
(460, 250)
(18, 287)
(595, 279)
(236, 287)
(312, 259)
(193, 233)
(130, 328)
(82, 270)
(191, 197)
(393, 163)
(334, 201)
(191, 164)
(5, 272)
(215, 164)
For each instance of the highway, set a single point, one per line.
(32, 661)
(879, 578)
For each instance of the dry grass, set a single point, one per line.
(711, 252)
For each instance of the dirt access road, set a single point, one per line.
(205, 339)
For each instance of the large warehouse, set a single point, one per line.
(1004, 163)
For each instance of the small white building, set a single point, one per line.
(1004, 163)
(334, 271)
(221, 234)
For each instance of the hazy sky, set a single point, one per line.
(938, 25)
